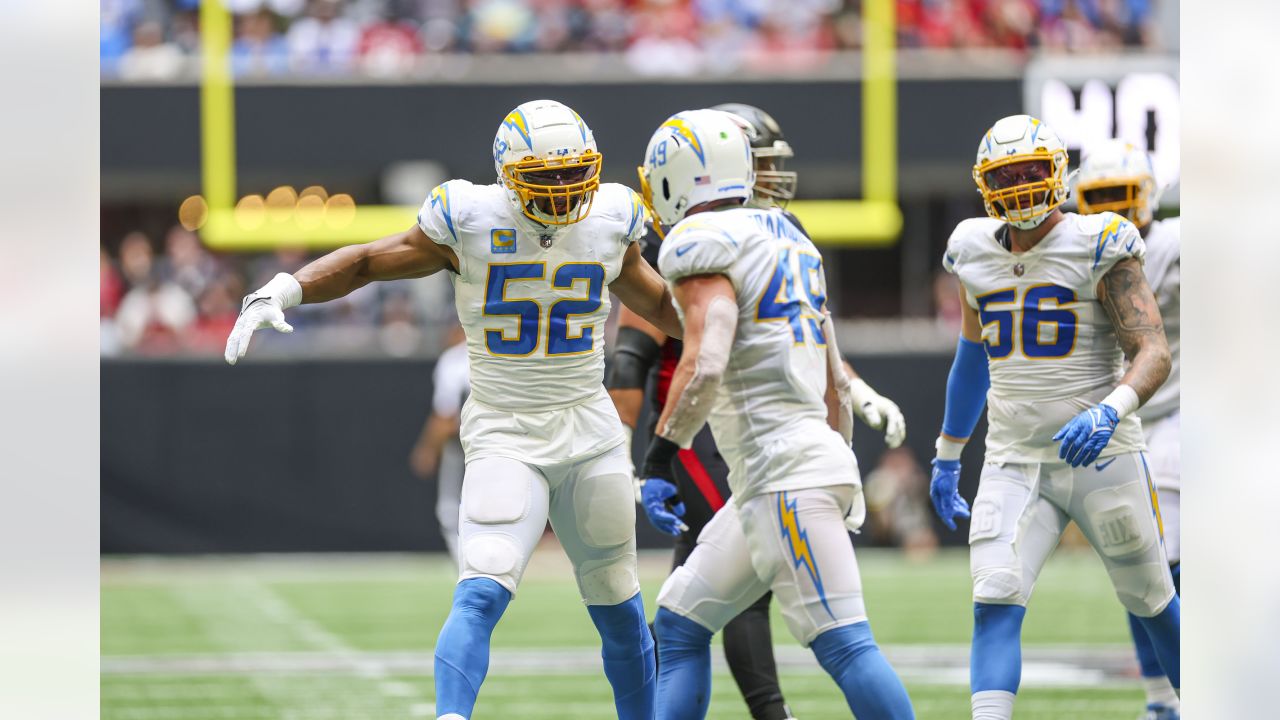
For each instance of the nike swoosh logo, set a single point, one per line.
(1103, 466)
(680, 251)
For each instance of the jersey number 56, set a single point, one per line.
(1023, 320)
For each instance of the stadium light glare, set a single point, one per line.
(875, 220)
(193, 213)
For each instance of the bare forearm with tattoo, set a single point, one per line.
(1135, 315)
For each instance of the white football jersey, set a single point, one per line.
(1051, 348)
(1164, 273)
(770, 417)
(533, 302)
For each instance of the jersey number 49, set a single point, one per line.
(780, 301)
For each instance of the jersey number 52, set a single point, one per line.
(529, 312)
(1021, 317)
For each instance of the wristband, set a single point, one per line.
(283, 288)
(948, 449)
(1124, 400)
(657, 459)
(860, 391)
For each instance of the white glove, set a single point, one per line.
(857, 512)
(261, 309)
(878, 412)
(636, 483)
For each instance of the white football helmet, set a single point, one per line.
(546, 158)
(1119, 177)
(694, 157)
(1021, 171)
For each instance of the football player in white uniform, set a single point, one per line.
(438, 451)
(757, 364)
(531, 257)
(1053, 303)
(700, 486)
(1118, 177)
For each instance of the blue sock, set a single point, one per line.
(1164, 631)
(850, 655)
(627, 650)
(1147, 660)
(462, 650)
(684, 682)
(995, 660)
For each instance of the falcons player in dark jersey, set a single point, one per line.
(644, 354)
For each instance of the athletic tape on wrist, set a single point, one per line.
(285, 289)
(1123, 400)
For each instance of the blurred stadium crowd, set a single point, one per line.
(166, 295)
(175, 297)
(159, 39)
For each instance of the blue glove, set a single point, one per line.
(654, 495)
(1087, 434)
(943, 490)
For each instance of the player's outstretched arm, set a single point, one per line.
(1135, 315)
(409, 254)
(642, 289)
(711, 318)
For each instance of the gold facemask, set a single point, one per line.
(1133, 204)
(554, 203)
(646, 195)
(1023, 201)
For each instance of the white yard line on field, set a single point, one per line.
(932, 664)
(224, 623)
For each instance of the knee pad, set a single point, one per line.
(998, 586)
(493, 555)
(605, 509)
(997, 575)
(1144, 590)
(1121, 521)
(610, 581)
(687, 594)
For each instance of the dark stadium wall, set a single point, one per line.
(199, 457)
(346, 135)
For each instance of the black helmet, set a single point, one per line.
(769, 149)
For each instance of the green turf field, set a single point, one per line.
(350, 638)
